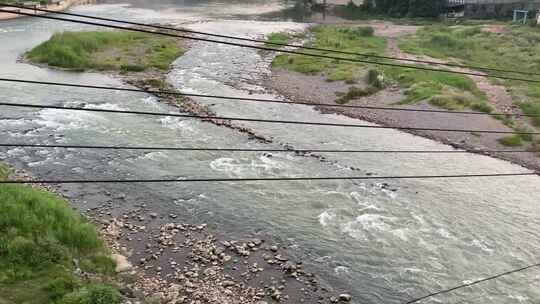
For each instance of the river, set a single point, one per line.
(383, 243)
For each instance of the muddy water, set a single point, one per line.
(386, 243)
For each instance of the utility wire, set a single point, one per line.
(293, 122)
(292, 179)
(149, 148)
(277, 43)
(46, 146)
(472, 283)
(271, 49)
(270, 179)
(158, 92)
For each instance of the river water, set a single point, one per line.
(383, 243)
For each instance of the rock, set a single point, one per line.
(345, 297)
(289, 267)
(228, 284)
(128, 292)
(153, 215)
(122, 264)
(274, 248)
(281, 258)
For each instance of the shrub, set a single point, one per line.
(354, 93)
(365, 31)
(98, 263)
(482, 107)
(132, 68)
(61, 286)
(531, 108)
(511, 141)
(156, 83)
(95, 294)
(525, 137)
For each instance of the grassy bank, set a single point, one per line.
(447, 91)
(122, 51)
(511, 48)
(42, 243)
(360, 40)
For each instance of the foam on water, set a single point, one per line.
(105, 106)
(367, 224)
(326, 217)
(239, 167)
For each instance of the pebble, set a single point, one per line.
(345, 297)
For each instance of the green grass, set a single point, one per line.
(525, 137)
(281, 38)
(40, 237)
(355, 92)
(518, 48)
(155, 83)
(350, 39)
(532, 108)
(511, 141)
(450, 91)
(124, 51)
(445, 90)
(4, 171)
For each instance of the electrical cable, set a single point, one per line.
(270, 179)
(293, 122)
(277, 43)
(161, 92)
(149, 148)
(272, 49)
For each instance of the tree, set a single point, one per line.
(425, 8)
(412, 8)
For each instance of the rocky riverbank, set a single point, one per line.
(175, 262)
(169, 261)
(163, 260)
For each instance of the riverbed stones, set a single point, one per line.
(345, 297)
(189, 256)
(122, 264)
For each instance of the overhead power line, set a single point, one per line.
(293, 122)
(472, 283)
(277, 43)
(270, 179)
(271, 49)
(162, 92)
(149, 148)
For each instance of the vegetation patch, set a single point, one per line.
(155, 83)
(517, 48)
(511, 141)
(281, 38)
(121, 51)
(445, 90)
(41, 241)
(339, 38)
(354, 93)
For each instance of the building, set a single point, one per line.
(492, 8)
